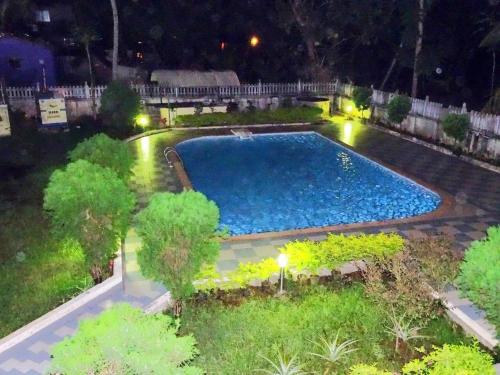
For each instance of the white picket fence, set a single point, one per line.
(483, 123)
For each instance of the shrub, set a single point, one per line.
(398, 108)
(310, 256)
(178, 235)
(124, 340)
(198, 108)
(479, 277)
(286, 102)
(397, 284)
(456, 126)
(362, 369)
(106, 152)
(119, 105)
(361, 96)
(90, 204)
(452, 360)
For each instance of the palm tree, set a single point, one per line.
(115, 39)
(86, 36)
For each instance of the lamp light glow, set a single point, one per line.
(348, 108)
(142, 120)
(282, 260)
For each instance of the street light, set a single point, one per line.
(282, 262)
(254, 41)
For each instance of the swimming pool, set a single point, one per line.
(282, 181)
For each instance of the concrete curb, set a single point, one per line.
(192, 128)
(59, 312)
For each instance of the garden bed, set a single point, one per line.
(278, 116)
(264, 326)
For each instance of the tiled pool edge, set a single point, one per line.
(444, 208)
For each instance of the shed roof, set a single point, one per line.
(192, 78)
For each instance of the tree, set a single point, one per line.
(119, 105)
(115, 39)
(12, 11)
(418, 46)
(456, 126)
(361, 96)
(90, 204)
(86, 36)
(178, 233)
(106, 152)
(398, 108)
(492, 41)
(125, 340)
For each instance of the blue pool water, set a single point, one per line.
(276, 182)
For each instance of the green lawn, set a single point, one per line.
(278, 116)
(37, 271)
(231, 339)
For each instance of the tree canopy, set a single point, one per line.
(106, 152)
(124, 340)
(90, 204)
(178, 233)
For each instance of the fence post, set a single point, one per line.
(299, 87)
(259, 88)
(86, 90)
(464, 108)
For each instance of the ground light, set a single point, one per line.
(142, 120)
(282, 262)
(254, 40)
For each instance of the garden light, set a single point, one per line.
(254, 41)
(282, 262)
(348, 108)
(142, 120)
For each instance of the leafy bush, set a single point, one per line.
(106, 152)
(436, 258)
(178, 235)
(124, 340)
(398, 108)
(310, 256)
(119, 105)
(456, 126)
(452, 360)
(397, 284)
(277, 116)
(198, 108)
(91, 205)
(361, 96)
(362, 369)
(479, 277)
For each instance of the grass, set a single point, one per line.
(37, 271)
(264, 327)
(278, 116)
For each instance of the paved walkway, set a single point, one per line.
(476, 191)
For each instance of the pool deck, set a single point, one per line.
(472, 193)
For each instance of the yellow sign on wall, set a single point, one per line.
(53, 111)
(4, 120)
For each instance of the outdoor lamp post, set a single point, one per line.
(282, 262)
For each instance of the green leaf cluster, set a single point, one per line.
(456, 126)
(119, 105)
(106, 152)
(361, 96)
(362, 369)
(179, 234)
(479, 277)
(89, 204)
(124, 340)
(398, 108)
(452, 360)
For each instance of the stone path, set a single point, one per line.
(477, 194)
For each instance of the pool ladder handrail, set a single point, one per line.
(170, 150)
